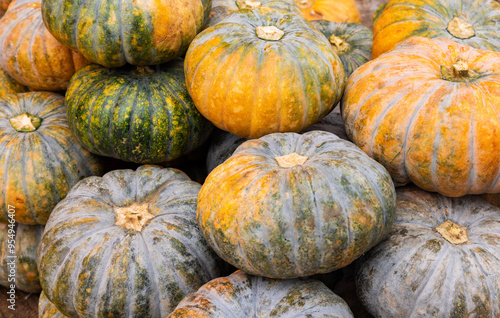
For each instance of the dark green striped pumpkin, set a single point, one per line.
(137, 114)
(125, 245)
(46, 309)
(40, 160)
(18, 245)
(288, 205)
(116, 32)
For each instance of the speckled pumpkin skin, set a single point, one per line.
(9, 86)
(415, 272)
(402, 19)
(440, 134)
(243, 295)
(89, 266)
(25, 240)
(30, 54)
(252, 87)
(290, 222)
(137, 118)
(331, 10)
(135, 32)
(46, 309)
(359, 38)
(38, 168)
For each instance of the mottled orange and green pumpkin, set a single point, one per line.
(40, 160)
(9, 86)
(263, 71)
(46, 309)
(243, 295)
(30, 54)
(125, 245)
(471, 22)
(441, 259)
(428, 112)
(18, 245)
(330, 10)
(118, 32)
(288, 205)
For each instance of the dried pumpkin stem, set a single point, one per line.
(459, 71)
(133, 217)
(453, 233)
(247, 4)
(291, 160)
(25, 122)
(269, 33)
(338, 44)
(304, 4)
(460, 28)
(143, 70)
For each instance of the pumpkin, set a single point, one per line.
(223, 8)
(330, 10)
(138, 114)
(134, 32)
(243, 295)
(351, 41)
(40, 160)
(9, 86)
(18, 244)
(439, 260)
(4, 4)
(46, 309)
(288, 205)
(263, 71)
(427, 112)
(30, 54)
(125, 244)
(471, 22)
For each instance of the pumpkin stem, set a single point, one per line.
(25, 122)
(142, 70)
(460, 28)
(269, 33)
(304, 4)
(247, 4)
(338, 44)
(291, 160)
(133, 217)
(459, 71)
(453, 233)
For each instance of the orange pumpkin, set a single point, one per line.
(429, 112)
(331, 10)
(9, 85)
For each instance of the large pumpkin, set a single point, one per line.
(428, 112)
(330, 10)
(289, 205)
(30, 54)
(471, 22)
(18, 245)
(441, 259)
(136, 32)
(9, 86)
(263, 71)
(126, 244)
(40, 160)
(138, 114)
(243, 295)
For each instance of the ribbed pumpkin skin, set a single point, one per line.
(243, 295)
(137, 118)
(223, 8)
(25, 241)
(415, 272)
(30, 54)
(252, 87)
(46, 309)
(401, 19)
(331, 10)
(38, 168)
(358, 37)
(440, 134)
(135, 32)
(91, 267)
(290, 222)
(9, 86)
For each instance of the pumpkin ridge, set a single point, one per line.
(154, 275)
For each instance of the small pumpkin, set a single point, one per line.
(46, 309)
(138, 114)
(30, 54)
(263, 71)
(471, 22)
(288, 205)
(243, 295)
(427, 112)
(439, 260)
(40, 160)
(9, 86)
(126, 244)
(330, 10)
(18, 245)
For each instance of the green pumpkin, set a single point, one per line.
(142, 115)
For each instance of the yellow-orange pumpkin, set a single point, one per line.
(331, 10)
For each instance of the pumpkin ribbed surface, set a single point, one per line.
(289, 205)
(40, 165)
(46, 309)
(330, 10)
(9, 86)
(143, 115)
(471, 22)
(30, 54)
(243, 295)
(439, 260)
(126, 244)
(427, 121)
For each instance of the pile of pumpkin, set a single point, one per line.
(288, 196)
